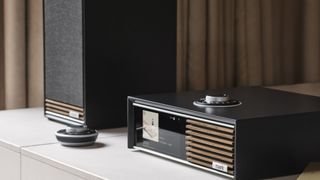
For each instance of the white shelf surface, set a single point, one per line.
(29, 127)
(29, 132)
(111, 159)
(26, 127)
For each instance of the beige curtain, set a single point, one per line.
(21, 58)
(221, 43)
(1, 57)
(227, 43)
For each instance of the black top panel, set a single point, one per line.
(63, 51)
(257, 102)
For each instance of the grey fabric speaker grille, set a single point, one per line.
(63, 51)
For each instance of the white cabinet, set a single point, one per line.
(9, 164)
(35, 170)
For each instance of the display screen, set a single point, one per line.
(161, 132)
(150, 122)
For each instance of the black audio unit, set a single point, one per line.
(241, 133)
(99, 52)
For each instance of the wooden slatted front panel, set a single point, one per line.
(209, 144)
(64, 109)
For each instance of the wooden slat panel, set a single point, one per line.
(210, 131)
(200, 162)
(65, 105)
(57, 111)
(211, 149)
(209, 137)
(207, 143)
(211, 126)
(62, 108)
(209, 160)
(204, 164)
(221, 146)
(215, 156)
(60, 112)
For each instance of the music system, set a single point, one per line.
(96, 53)
(241, 133)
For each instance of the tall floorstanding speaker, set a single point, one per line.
(98, 52)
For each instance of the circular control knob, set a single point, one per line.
(216, 98)
(220, 100)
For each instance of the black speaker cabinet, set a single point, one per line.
(254, 133)
(98, 52)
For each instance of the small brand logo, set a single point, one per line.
(220, 166)
(74, 114)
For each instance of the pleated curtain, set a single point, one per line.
(229, 43)
(21, 54)
(221, 43)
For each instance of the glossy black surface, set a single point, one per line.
(257, 102)
(276, 132)
(277, 146)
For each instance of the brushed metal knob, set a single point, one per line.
(210, 99)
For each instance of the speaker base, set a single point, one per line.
(76, 136)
